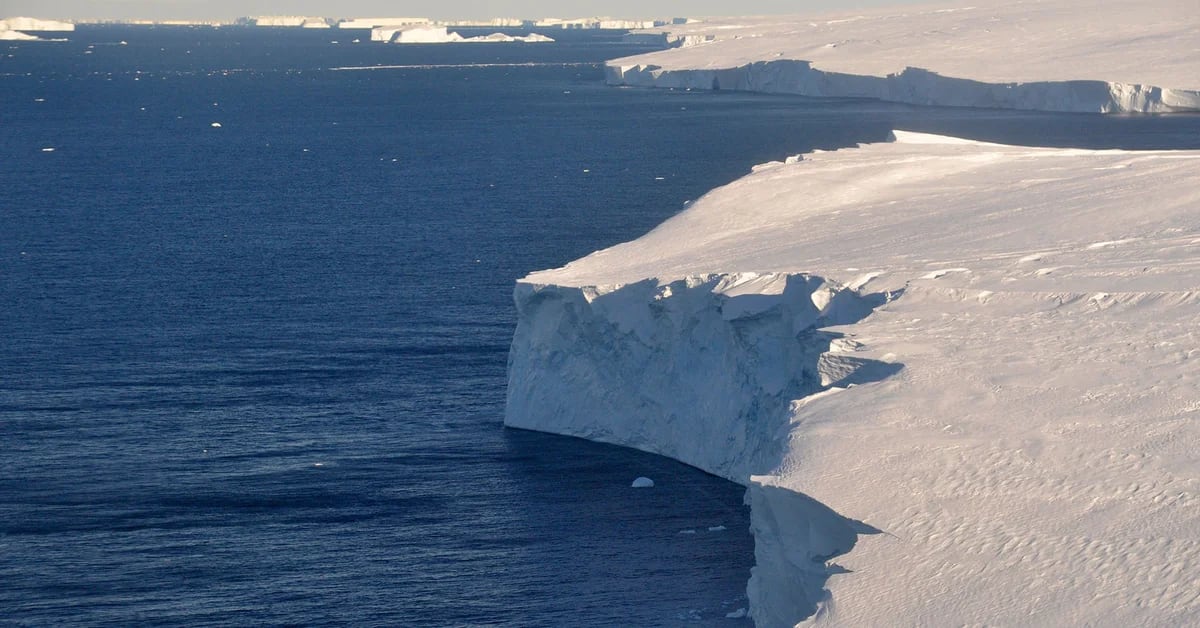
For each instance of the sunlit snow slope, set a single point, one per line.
(1054, 55)
(961, 380)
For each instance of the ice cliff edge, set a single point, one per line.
(705, 370)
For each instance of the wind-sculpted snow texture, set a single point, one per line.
(1056, 55)
(990, 354)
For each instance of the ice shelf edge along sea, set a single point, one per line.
(975, 366)
(959, 379)
(1051, 55)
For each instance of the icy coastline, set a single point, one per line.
(957, 378)
(1052, 55)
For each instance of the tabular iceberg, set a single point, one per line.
(958, 379)
(34, 24)
(11, 29)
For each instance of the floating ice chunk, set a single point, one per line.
(643, 482)
(688, 531)
(717, 529)
(738, 614)
(48, 149)
(215, 125)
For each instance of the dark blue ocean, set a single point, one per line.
(254, 373)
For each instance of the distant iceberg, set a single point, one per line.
(34, 24)
(424, 34)
(11, 29)
(501, 37)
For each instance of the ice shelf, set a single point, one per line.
(959, 379)
(1052, 55)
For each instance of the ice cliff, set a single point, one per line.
(958, 379)
(1053, 55)
(740, 348)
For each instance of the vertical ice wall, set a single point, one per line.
(704, 370)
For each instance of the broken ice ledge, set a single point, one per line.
(705, 370)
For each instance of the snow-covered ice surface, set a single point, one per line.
(961, 380)
(1057, 55)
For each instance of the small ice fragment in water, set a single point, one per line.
(688, 531)
(215, 125)
(48, 149)
(738, 614)
(716, 528)
(39, 100)
(660, 178)
(643, 482)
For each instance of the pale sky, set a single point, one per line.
(436, 9)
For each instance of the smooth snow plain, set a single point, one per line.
(960, 380)
(1051, 55)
